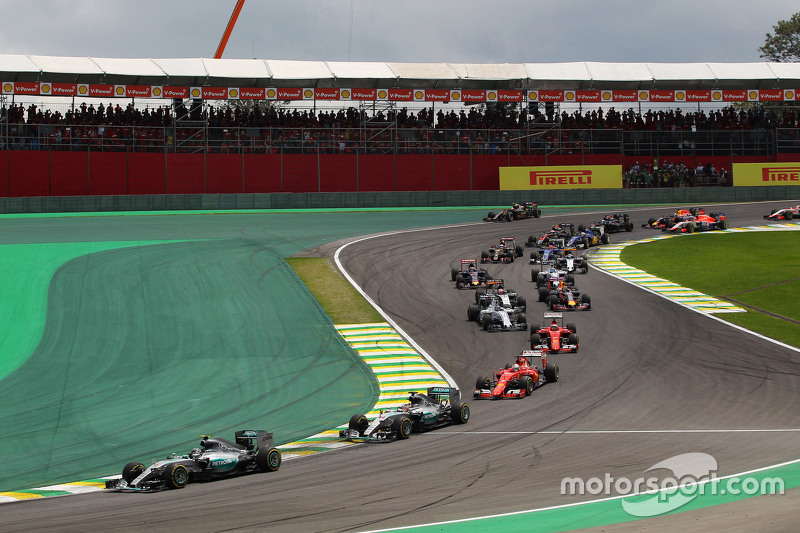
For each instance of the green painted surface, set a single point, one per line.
(610, 511)
(126, 338)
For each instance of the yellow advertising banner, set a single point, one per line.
(750, 174)
(577, 177)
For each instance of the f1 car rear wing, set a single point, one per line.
(444, 393)
(554, 315)
(468, 261)
(491, 282)
(261, 438)
(532, 355)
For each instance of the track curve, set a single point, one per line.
(645, 366)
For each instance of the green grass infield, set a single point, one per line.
(757, 271)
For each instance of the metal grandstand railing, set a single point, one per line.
(546, 140)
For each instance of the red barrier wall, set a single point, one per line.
(108, 173)
(69, 173)
(146, 174)
(43, 173)
(3, 174)
(28, 173)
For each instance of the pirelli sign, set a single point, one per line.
(766, 174)
(577, 177)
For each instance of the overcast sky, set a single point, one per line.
(461, 31)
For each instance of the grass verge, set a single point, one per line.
(757, 271)
(340, 300)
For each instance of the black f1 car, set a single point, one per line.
(252, 450)
(469, 276)
(441, 406)
(516, 212)
(616, 223)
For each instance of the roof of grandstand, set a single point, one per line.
(339, 74)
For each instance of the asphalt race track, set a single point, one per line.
(647, 369)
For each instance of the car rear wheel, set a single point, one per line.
(460, 413)
(788, 215)
(177, 476)
(572, 327)
(551, 373)
(553, 301)
(402, 427)
(521, 302)
(588, 301)
(132, 471)
(268, 460)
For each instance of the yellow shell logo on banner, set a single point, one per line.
(120, 90)
(271, 93)
(345, 93)
(233, 93)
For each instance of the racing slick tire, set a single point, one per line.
(453, 274)
(518, 250)
(581, 228)
(484, 256)
(460, 413)
(176, 476)
(521, 302)
(536, 340)
(132, 471)
(551, 373)
(570, 280)
(483, 383)
(629, 226)
(491, 215)
(585, 299)
(358, 423)
(537, 213)
(689, 228)
(543, 293)
(573, 339)
(553, 301)
(523, 320)
(268, 460)
(572, 327)
(526, 382)
(402, 427)
(788, 215)
(723, 224)
(605, 239)
(473, 312)
(478, 294)
(486, 322)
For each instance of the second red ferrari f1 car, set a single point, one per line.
(518, 380)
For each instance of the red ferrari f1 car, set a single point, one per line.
(520, 379)
(554, 336)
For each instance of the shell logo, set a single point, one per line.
(570, 95)
(7, 87)
(753, 95)
(419, 95)
(345, 93)
(120, 91)
(83, 89)
(455, 95)
(156, 91)
(195, 93)
(716, 95)
(308, 93)
(680, 95)
(491, 95)
(382, 94)
(643, 95)
(606, 95)
(788, 95)
(233, 93)
(271, 93)
(45, 88)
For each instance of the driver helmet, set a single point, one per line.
(195, 453)
(501, 291)
(515, 368)
(553, 327)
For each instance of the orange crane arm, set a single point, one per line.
(229, 29)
